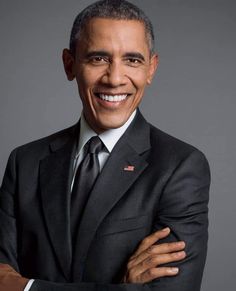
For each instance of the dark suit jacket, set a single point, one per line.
(168, 187)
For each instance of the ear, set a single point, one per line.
(69, 64)
(152, 68)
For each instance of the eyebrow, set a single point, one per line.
(134, 55)
(102, 53)
(97, 53)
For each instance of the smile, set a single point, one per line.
(112, 98)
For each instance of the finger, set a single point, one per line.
(151, 239)
(156, 273)
(153, 250)
(152, 262)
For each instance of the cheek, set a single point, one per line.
(89, 77)
(83, 81)
(139, 79)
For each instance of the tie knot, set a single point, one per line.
(95, 145)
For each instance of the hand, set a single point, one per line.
(143, 266)
(10, 280)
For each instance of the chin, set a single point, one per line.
(112, 124)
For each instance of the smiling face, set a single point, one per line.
(112, 66)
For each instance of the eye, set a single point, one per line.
(134, 62)
(98, 60)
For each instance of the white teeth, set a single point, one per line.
(115, 98)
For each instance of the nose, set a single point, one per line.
(115, 75)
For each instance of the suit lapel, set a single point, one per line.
(113, 182)
(55, 178)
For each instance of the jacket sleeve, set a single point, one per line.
(8, 229)
(184, 208)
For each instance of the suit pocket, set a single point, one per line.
(122, 225)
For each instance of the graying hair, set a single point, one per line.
(110, 9)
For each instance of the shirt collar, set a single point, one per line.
(109, 137)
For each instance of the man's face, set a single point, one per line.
(112, 67)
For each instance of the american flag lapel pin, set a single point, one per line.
(129, 168)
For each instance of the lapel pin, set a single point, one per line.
(129, 168)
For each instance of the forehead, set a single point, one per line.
(113, 33)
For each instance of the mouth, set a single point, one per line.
(112, 97)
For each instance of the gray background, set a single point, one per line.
(192, 96)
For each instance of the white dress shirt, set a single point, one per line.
(109, 138)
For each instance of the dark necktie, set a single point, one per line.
(84, 181)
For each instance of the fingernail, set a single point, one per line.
(180, 244)
(165, 229)
(174, 270)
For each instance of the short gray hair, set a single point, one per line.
(111, 9)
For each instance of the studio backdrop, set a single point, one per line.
(192, 96)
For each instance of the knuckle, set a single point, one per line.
(151, 272)
(129, 265)
(169, 245)
(156, 260)
(152, 260)
(174, 255)
(178, 255)
(146, 240)
(131, 274)
(151, 249)
(144, 263)
(132, 258)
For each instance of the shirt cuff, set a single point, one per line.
(29, 284)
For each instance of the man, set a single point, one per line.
(77, 218)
